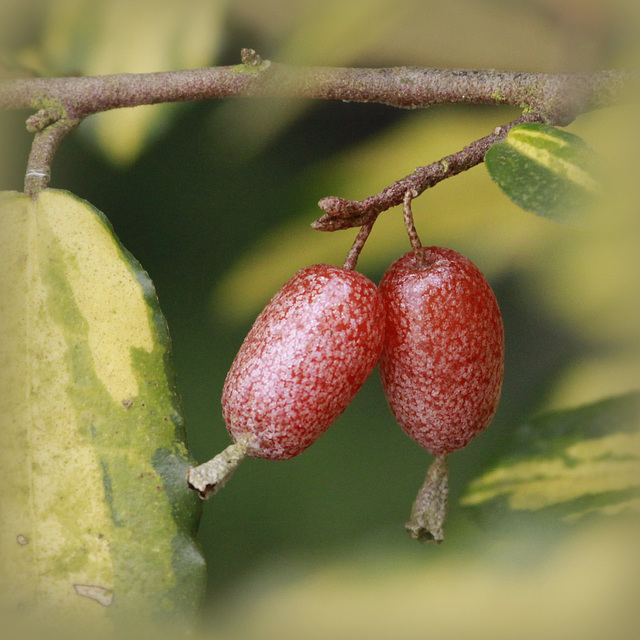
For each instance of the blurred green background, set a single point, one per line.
(215, 200)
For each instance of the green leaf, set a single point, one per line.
(545, 170)
(568, 464)
(96, 521)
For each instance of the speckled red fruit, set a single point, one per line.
(305, 358)
(442, 361)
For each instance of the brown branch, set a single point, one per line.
(50, 131)
(63, 103)
(341, 213)
(558, 98)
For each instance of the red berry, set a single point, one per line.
(305, 358)
(443, 357)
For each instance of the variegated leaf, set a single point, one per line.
(545, 170)
(569, 464)
(96, 522)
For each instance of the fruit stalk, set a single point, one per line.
(420, 256)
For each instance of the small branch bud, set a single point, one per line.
(250, 57)
(341, 213)
(43, 118)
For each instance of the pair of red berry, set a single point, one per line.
(433, 324)
(435, 329)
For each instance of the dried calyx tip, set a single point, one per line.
(430, 507)
(209, 477)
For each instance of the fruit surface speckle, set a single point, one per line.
(305, 358)
(443, 357)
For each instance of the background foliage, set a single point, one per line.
(215, 201)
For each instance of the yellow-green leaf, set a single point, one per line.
(569, 464)
(96, 522)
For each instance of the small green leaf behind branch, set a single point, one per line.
(547, 171)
